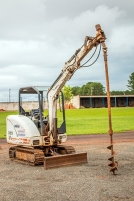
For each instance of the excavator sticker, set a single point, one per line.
(20, 140)
(21, 132)
(10, 133)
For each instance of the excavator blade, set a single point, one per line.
(65, 160)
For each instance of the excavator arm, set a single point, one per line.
(67, 72)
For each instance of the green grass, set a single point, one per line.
(95, 121)
(88, 121)
(3, 116)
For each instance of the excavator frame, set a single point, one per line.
(40, 152)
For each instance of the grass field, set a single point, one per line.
(88, 121)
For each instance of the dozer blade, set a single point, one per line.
(65, 160)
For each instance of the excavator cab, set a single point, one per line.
(36, 112)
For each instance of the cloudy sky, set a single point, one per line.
(38, 36)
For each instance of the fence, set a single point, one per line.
(13, 106)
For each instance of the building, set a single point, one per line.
(78, 102)
(101, 101)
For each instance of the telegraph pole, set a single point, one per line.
(9, 95)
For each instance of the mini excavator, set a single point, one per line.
(36, 139)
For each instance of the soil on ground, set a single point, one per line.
(91, 181)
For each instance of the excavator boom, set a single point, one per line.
(69, 69)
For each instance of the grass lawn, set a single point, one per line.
(95, 121)
(3, 116)
(88, 121)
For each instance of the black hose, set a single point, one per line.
(95, 59)
(90, 57)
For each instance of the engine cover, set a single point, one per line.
(21, 130)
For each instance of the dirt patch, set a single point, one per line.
(2, 110)
(91, 181)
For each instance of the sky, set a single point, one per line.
(37, 37)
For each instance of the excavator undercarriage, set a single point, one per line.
(51, 157)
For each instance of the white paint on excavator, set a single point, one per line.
(21, 130)
(62, 137)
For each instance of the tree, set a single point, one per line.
(131, 82)
(67, 91)
(97, 89)
(76, 90)
(127, 92)
(89, 89)
(117, 92)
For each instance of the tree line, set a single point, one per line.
(96, 88)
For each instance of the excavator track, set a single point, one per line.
(65, 149)
(61, 156)
(27, 155)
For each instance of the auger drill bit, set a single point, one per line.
(113, 164)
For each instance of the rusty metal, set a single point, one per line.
(98, 27)
(113, 164)
(65, 160)
(55, 129)
(65, 149)
(26, 155)
(51, 157)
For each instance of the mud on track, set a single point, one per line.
(91, 181)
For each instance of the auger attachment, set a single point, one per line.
(113, 164)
